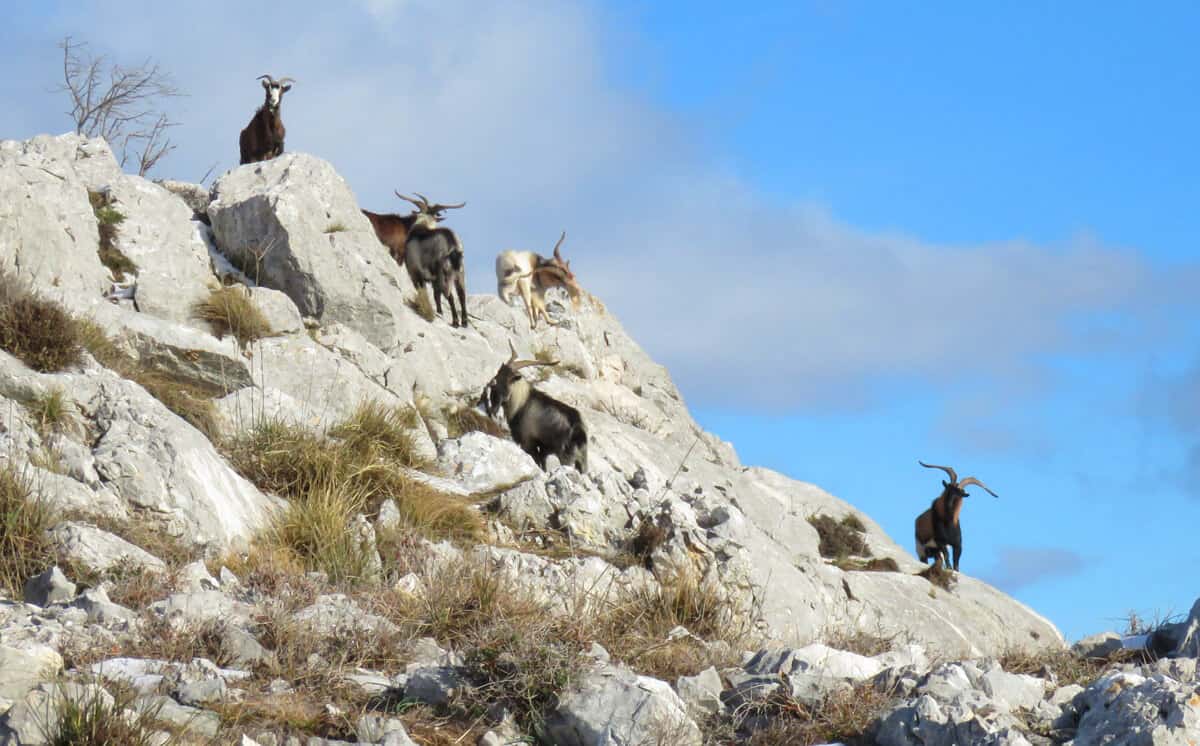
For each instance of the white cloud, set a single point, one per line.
(510, 108)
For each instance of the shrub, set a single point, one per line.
(38, 332)
(192, 403)
(315, 528)
(230, 310)
(840, 538)
(845, 716)
(108, 218)
(25, 517)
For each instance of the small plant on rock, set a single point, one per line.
(839, 539)
(230, 310)
(108, 218)
(25, 518)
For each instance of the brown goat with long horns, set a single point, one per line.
(938, 529)
(262, 139)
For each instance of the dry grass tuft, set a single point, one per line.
(840, 538)
(375, 431)
(25, 517)
(844, 716)
(330, 479)
(230, 310)
(36, 331)
(636, 628)
(52, 411)
(862, 643)
(939, 576)
(876, 564)
(87, 718)
(466, 419)
(1063, 665)
(421, 305)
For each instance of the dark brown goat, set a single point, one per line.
(938, 529)
(262, 139)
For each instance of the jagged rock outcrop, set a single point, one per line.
(662, 499)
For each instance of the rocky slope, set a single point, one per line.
(343, 333)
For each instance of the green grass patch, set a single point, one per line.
(231, 311)
(52, 411)
(108, 220)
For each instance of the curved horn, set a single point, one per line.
(526, 363)
(947, 469)
(281, 81)
(972, 480)
(268, 77)
(513, 358)
(436, 207)
(407, 199)
(423, 198)
(561, 238)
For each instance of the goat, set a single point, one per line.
(938, 529)
(532, 275)
(539, 423)
(392, 229)
(262, 139)
(434, 255)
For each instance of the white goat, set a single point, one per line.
(532, 274)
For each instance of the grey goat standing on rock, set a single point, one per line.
(262, 139)
(539, 423)
(938, 529)
(433, 255)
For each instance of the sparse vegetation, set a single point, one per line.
(845, 716)
(330, 479)
(336, 228)
(466, 419)
(51, 411)
(88, 716)
(108, 218)
(840, 539)
(940, 577)
(25, 517)
(230, 310)
(1063, 665)
(36, 331)
(875, 564)
(421, 305)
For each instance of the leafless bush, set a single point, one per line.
(120, 104)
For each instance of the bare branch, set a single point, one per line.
(120, 104)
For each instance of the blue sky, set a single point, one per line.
(858, 234)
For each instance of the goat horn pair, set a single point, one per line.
(972, 480)
(515, 364)
(947, 469)
(268, 77)
(423, 204)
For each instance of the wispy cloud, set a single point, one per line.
(1019, 567)
(749, 302)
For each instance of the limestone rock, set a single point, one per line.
(22, 668)
(99, 551)
(484, 464)
(296, 221)
(610, 706)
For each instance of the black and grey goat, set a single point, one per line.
(433, 255)
(938, 529)
(392, 229)
(539, 423)
(262, 139)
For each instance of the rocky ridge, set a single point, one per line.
(343, 333)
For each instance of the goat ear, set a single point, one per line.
(945, 483)
(266, 84)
